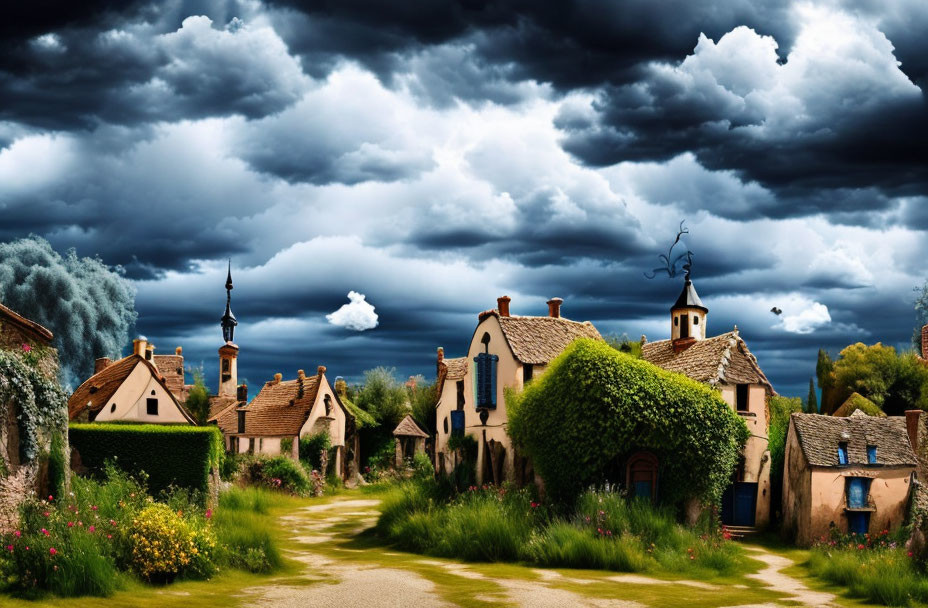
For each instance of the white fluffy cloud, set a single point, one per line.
(805, 319)
(358, 315)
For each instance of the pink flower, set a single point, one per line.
(44, 531)
(93, 508)
(27, 348)
(9, 548)
(53, 551)
(91, 529)
(70, 524)
(80, 524)
(209, 513)
(911, 554)
(109, 536)
(692, 557)
(860, 547)
(45, 514)
(17, 534)
(50, 498)
(112, 522)
(534, 505)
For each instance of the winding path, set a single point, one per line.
(342, 566)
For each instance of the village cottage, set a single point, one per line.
(725, 363)
(847, 474)
(283, 412)
(505, 351)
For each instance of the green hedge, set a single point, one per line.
(180, 456)
(595, 406)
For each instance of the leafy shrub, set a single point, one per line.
(230, 467)
(164, 545)
(57, 465)
(883, 576)
(311, 448)
(422, 466)
(180, 456)
(610, 404)
(279, 472)
(41, 403)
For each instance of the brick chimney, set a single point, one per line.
(554, 307)
(139, 346)
(924, 341)
(179, 351)
(912, 418)
(300, 374)
(101, 364)
(149, 351)
(277, 378)
(241, 393)
(441, 357)
(502, 304)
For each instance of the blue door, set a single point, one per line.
(739, 504)
(745, 503)
(858, 522)
(643, 489)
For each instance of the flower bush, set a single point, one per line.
(278, 473)
(164, 545)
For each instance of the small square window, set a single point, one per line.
(871, 454)
(151, 405)
(741, 397)
(842, 453)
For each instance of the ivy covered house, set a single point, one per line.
(505, 352)
(33, 409)
(725, 363)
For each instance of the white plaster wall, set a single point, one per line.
(337, 426)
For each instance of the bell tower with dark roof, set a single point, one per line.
(228, 352)
(687, 317)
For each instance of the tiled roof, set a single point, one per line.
(28, 326)
(99, 388)
(723, 359)
(819, 437)
(538, 340)
(455, 368)
(172, 368)
(279, 410)
(858, 404)
(218, 403)
(408, 428)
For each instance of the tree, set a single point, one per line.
(921, 315)
(423, 398)
(624, 344)
(89, 306)
(198, 397)
(812, 401)
(824, 371)
(892, 381)
(780, 410)
(383, 396)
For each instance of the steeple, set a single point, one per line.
(687, 315)
(228, 319)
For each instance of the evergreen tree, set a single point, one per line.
(812, 401)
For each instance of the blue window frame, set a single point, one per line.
(485, 381)
(842, 453)
(871, 454)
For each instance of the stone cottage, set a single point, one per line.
(849, 474)
(410, 440)
(725, 363)
(505, 351)
(283, 412)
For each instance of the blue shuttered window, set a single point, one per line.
(871, 454)
(485, 380)
(457, 423)
(842, 453)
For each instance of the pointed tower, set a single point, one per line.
(687, 317)
(228, 352)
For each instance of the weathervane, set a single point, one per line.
(670, 263)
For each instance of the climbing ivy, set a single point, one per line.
(595, 406)
(41, 403)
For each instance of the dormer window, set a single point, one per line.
(842, 453)
(871, 454)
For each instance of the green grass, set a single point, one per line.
(881, 576)
(245, 531)
(605, 532)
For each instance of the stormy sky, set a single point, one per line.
(379, 173)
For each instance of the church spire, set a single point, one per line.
(228, 319)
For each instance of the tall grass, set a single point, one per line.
(882, 576)
(606, 531)
(246, 531)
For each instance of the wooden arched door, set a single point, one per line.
(641, 476)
